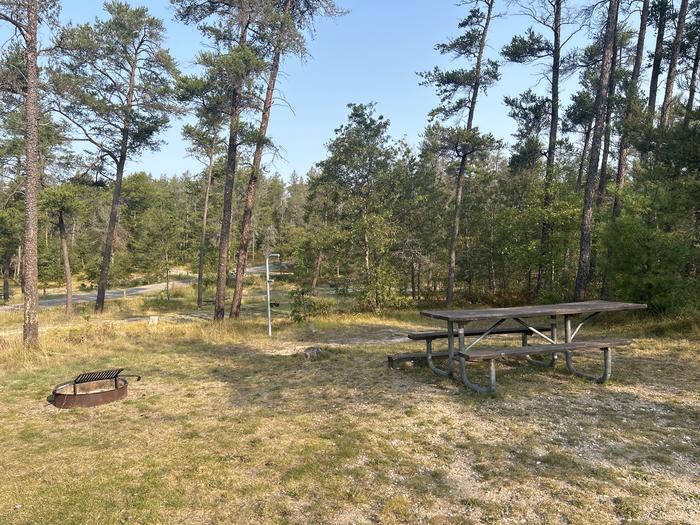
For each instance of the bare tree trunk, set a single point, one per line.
(603, 179)
(658, 56)
(693, 86)
(454, 234)
(254, 174)
(30, 264)
(231, 165)
(116, 193)
(317, 271)
(584, 155)
(66, 264)
(599, 110)
(203, 235)
(673, 64)
(621, 174)
(547, 226)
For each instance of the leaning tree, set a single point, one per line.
(286, 37)
(113, 84)
(458, 90)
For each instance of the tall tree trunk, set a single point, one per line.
(203, 234)
(30, 265)
(621, 174)
(116, 193)
(317, 272)
(454, 234)
(693, 86)
(600, 106)
(231, 166)
(463, 161)
(66, 264)
(673, 64)
(584, 154)
(658, 56)
(603, 179)
(252, 188)
(547, 226)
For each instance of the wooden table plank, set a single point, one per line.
(543, 310)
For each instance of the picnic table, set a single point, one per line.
(522, 316)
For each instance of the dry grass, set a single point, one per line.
(230, 427)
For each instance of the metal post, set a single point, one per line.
(267, 287)
(450, 346)
(568, 336)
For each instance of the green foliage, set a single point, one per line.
(528, 48)
(113, 76)
(457, 88)
(306, 306)
(530, 112)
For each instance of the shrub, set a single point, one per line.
(305, 306)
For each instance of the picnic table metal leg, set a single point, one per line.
(429, 350)
(552, 339)
(463, 366)
(450, 347)
(607, 367)
(580, 325)
(607, 354)
(481, 389)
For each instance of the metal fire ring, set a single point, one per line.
(91, 389)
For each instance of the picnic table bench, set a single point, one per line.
(457, 319)
(429, 337)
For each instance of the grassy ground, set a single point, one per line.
(228, 426)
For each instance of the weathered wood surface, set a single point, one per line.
(577, 346)
(424, 336)
(543, 310)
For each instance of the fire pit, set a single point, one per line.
(91, 389)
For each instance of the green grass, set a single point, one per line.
(228, 426)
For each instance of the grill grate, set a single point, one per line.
(98, 376)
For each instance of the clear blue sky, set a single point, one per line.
(371, 54)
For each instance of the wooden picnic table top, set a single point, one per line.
(541, 310)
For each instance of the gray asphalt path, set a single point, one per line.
(119, 293)
(87, 297)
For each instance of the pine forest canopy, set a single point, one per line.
(594, 195)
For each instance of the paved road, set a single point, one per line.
(146, 289)
(87, 297)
